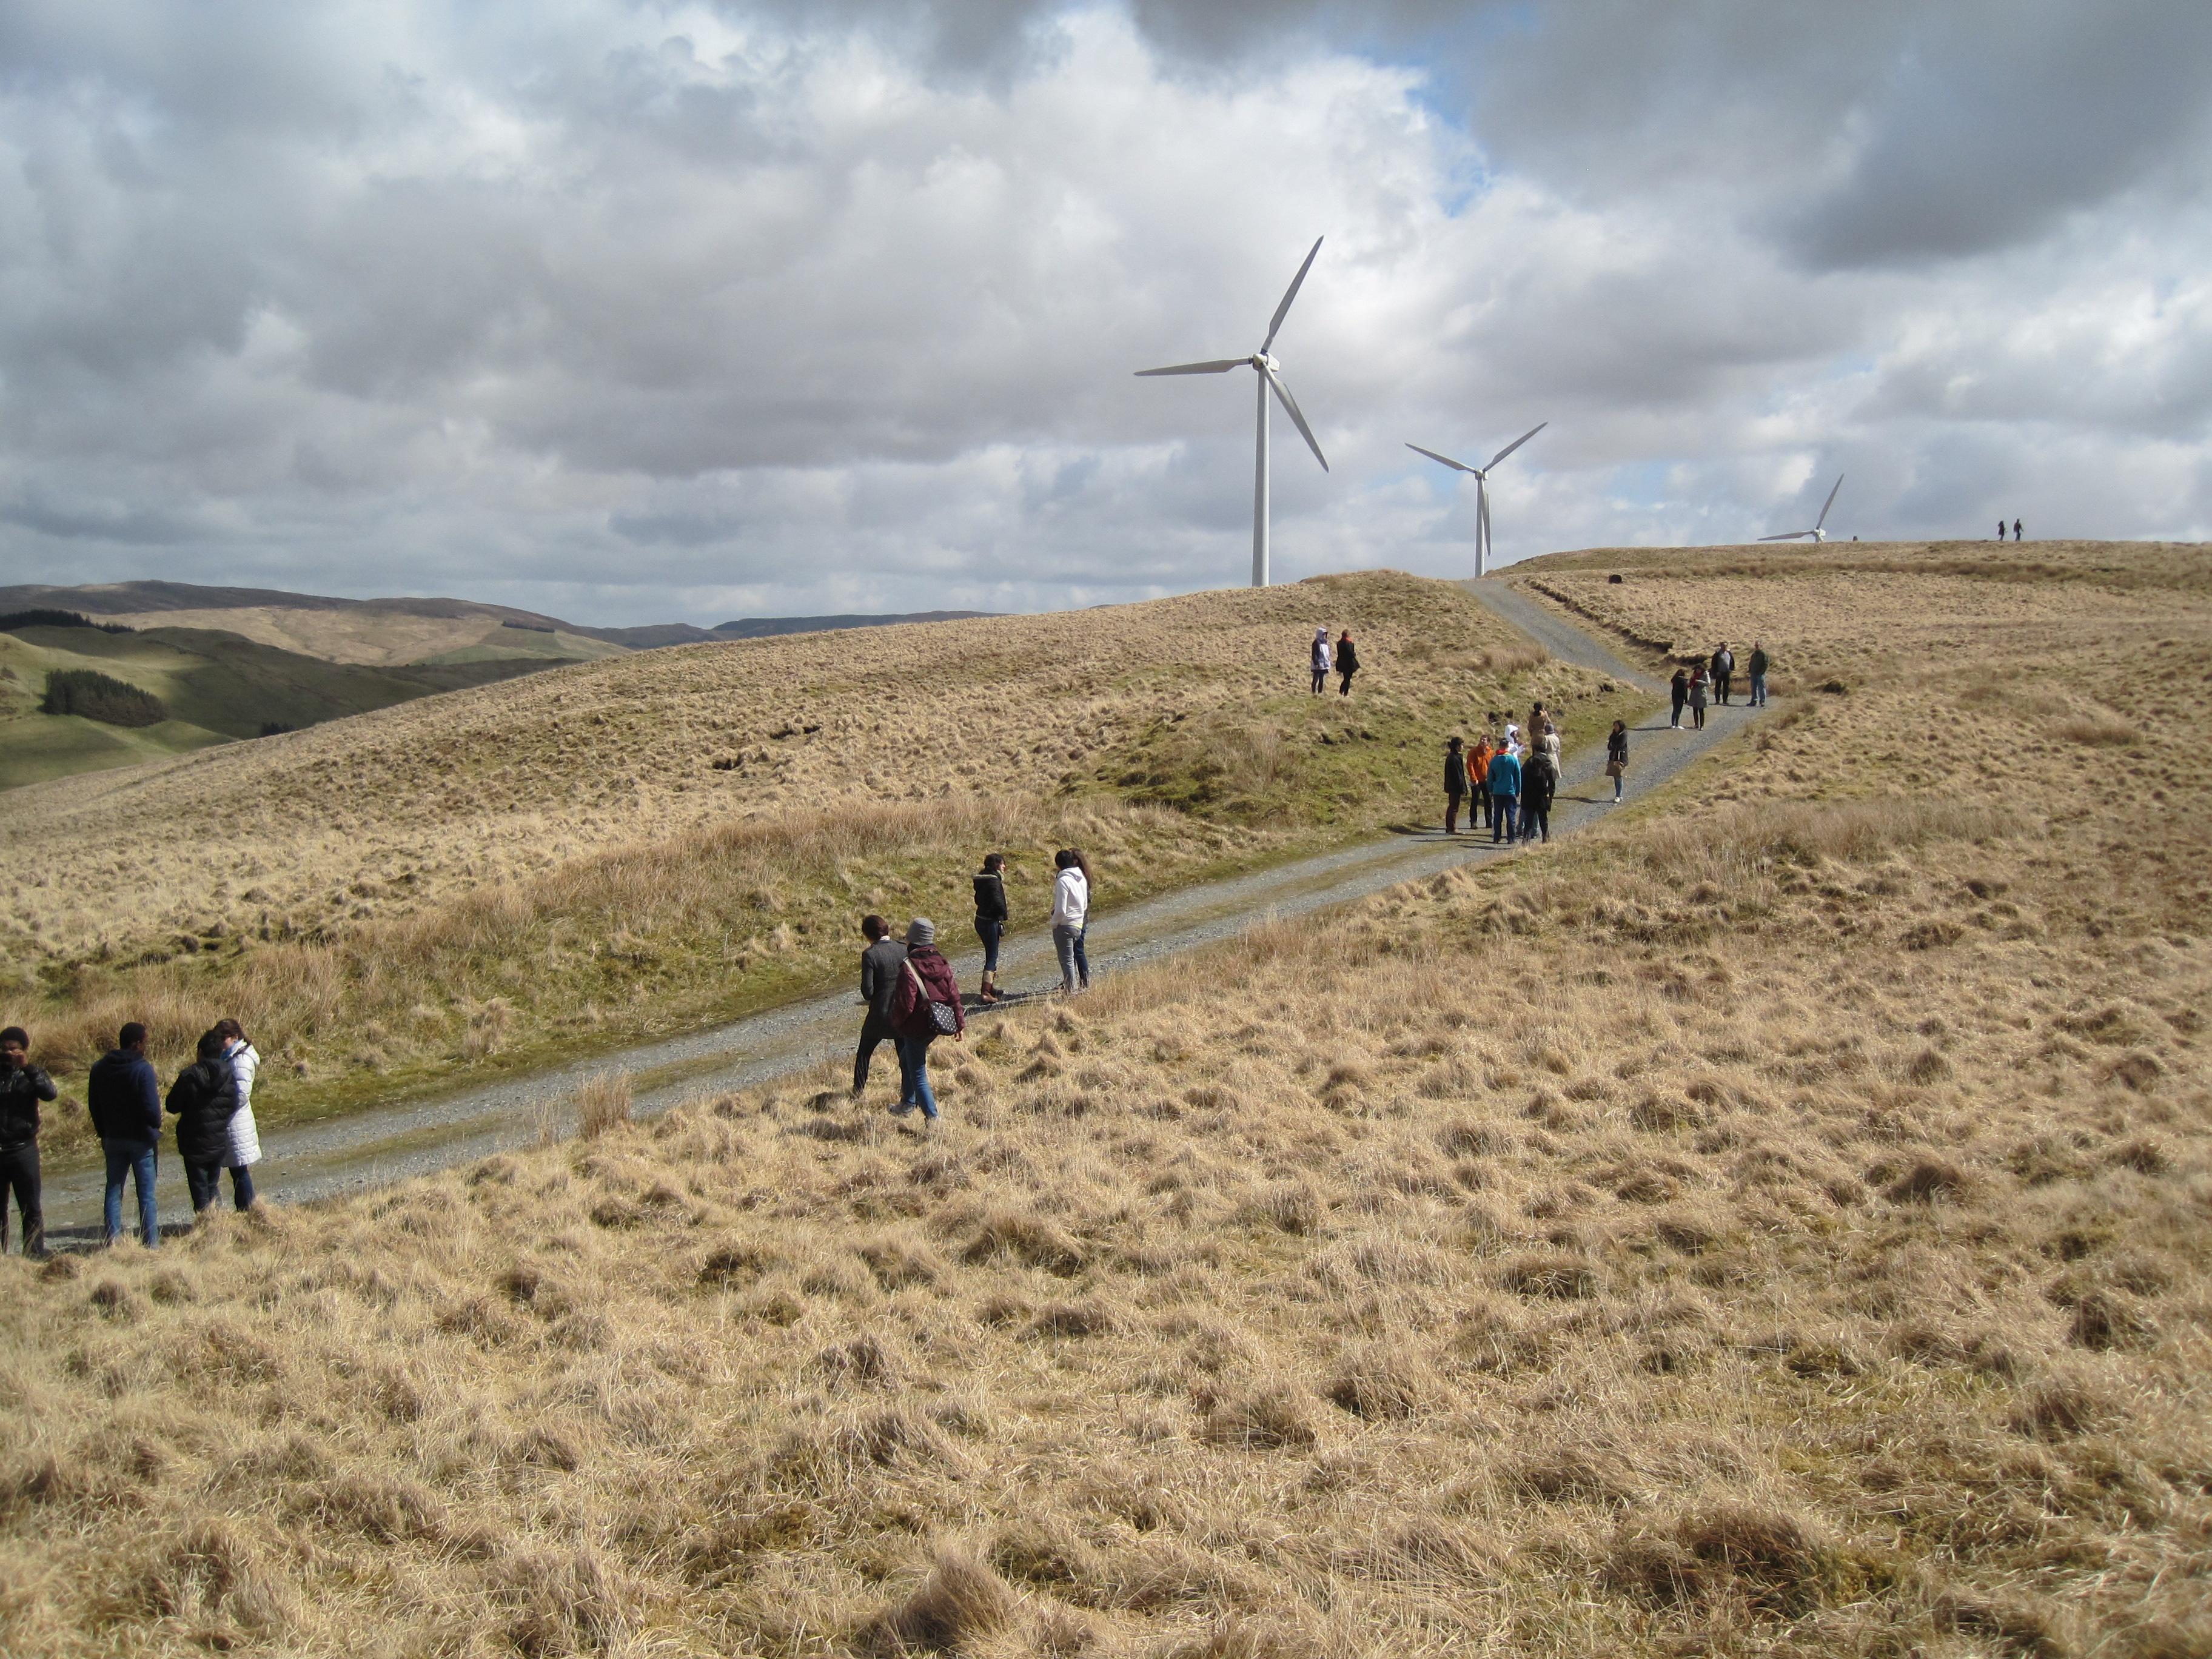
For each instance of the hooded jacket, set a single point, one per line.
(202, 1099)
(124, 1098)
(21, 1091)
(1539, 779)
(909, 1015)
(1505, 774)
(1071, 898)
(990, 896)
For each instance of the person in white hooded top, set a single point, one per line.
(1322, 658)
(1070, 907)
(245, 1139)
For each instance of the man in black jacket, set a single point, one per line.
(1540, 781)
(124, 1098)
(22, 1086)
(881, 964)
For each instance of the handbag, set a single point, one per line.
(943, 1015)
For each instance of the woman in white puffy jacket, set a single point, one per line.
(245, 1140)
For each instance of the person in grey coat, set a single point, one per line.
(880, 966)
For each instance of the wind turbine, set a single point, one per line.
(1816, 533)
(1481, 490)
(1268, 376)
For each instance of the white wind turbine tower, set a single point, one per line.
(1817, 532)
(1269, 375)
(1481, 490)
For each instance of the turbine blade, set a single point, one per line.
(1297, 417)
(1788, 536)
(1830, 503)
(1455, 465)
(1283, 309)
(1219, 365)
(1517, 443)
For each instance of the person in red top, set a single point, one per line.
(925, 985)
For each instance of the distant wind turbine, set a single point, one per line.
(1481, 490)
(1816, 533)
(1269, 376)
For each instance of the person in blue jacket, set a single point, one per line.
(124, 1098)
(1505, 793)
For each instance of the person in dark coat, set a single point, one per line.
(1347, 662)
(22, 1086)
(1679, 689)
(124, 1098)
(2015, 530)
(1540, 781)
(1760, 662)
(202, 1100)
(926, 983)
(880, 976)
(1616, 756)
(1454, 784)
(991, 920)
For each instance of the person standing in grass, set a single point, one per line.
(1071, 908)
(1478, 776)
(1504, 792)
(124, 1098)
(245, 1139)
(1698, 697)
(1760, 662)
(991, 920)
(1540, 781)
(202, 1100)
(1454, 784)
(22, 1086)
(1321, 659)
(880, 965)
(1616, 756)
(1679, 689)
(1347, 662)
(925, 985)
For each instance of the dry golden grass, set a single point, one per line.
(650, 842)
(1769, 1223)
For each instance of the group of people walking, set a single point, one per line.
(1510, 781)
(211, 1099)
(1343, 658)
(909, 990)
(1713, 681)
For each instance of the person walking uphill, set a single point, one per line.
(22, 1086)
(124, 1098)
(1347, 662)
(1504, 795)
(1071, 910)
(245, 1139)
(926, 1007)
(991, 920)
(1616, 756)
(1320, 659)
(202, 1100)
(880, 966)
(1540, 781)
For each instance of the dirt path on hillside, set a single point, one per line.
(381, 1144)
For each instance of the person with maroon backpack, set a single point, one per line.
(925, 1007)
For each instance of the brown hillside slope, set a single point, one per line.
(634, 844)
(1774, 1223)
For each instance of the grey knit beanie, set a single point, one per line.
(921, 931)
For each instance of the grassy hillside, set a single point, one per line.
(644, 844)
(1772, 1224)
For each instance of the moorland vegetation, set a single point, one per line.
(1771, 1222)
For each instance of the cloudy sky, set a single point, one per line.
(639, 312)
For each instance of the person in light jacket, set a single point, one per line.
(1071, 908)
(1698, 688)
(1320, 659)
(245, 1139)
(22, 1086)
(202, 1100)
(925, 984)
(124, 1098)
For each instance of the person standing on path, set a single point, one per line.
(1504, 795)
(1320, 659)
(204, 1099)
(880, 964)
(1454, 784)
(1478, 775)
(991, 920)
(1698, 698)
(1760, 662)
(22, 1086)
(1616, 756)
(1082, 934)
(1723, 673)
(1347, 662)
(245, 1137)
(1679, 689)
(1071, 906)
(124, 1098)
(1540, 781)
(926, 1007)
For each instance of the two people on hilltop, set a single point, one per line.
(1343, 657)
(2015, 530)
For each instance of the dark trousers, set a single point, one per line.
(138, 1159)
(876, 1027)
(1452, 813)
(1722, 683)
(1677, 718)
(1321, 679)
(1346, 690)
(1501, 827)
(18, 1173)
(241, 1187)
(1082, 956)
(1481, 805)
(205, 1181)
(1535, 821)
(990, 930)
(1698, 715)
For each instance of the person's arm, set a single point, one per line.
(42, 1086)
(149, 1098)
(869, 983)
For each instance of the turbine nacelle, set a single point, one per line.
(1817, 534)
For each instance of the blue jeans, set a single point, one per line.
(1507, 809)
(914, 1075)
(990, 931)
(1758, 690)
(139, 1160)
